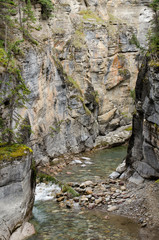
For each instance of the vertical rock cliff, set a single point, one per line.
(143, 151)
(82, 73)
(17, 183)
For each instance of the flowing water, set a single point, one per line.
(55, 223)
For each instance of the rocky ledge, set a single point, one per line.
(17, 185)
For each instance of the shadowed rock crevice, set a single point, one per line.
(143, 147)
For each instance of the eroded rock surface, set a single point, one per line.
(143, 151)
(16, 194)
(82, 73)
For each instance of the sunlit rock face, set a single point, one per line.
(83, 72)
(143, 151)
(17, 185)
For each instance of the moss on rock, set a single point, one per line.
(9, 152)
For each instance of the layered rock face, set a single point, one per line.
(143, 151)
(16, 194)
(82, 73)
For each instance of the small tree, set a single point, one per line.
(154, 35)
(6, 11)
(13, 94)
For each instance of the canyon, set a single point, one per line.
(82, 73)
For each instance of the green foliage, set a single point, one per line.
(154, 63)
(78, 40)
(135, 41)
(43, 177)
(66, 188)
(88, 112)
(9, 152)
(155, 5)
(74, 83)
(89, 16)
(132, 94)
(154, 33)
(157, 181)
(14, 91)
(56, 129)
(28, 13)
(96, 96)
(125, 73)
(47, 7)
(128, 129)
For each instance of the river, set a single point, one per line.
(55, 223)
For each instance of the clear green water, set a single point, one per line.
(55, 223)
(103, 162)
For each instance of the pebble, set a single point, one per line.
(69, 204)
(88, 190)
(86, 184)
(144, 224)
(123, 188)
(76, 161)
(85, 158)
(88, 162)
(83, 165)
(106, 217)
(112, 208)
(98, 200)
(91, 205)
(60, 199)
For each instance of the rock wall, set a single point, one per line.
(143, 151)
(82, 73)
(16, 194)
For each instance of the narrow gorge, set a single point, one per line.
(75, 76)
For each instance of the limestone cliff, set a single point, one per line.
(82, 73)
(143, 151)
(17, 185)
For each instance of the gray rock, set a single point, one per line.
(112, 208)
(114, 175)
(136, 178)
(23, 232)
(122, 167)
(16, 195)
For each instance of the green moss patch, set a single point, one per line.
(66, 188)
(8, 152)
(89, 16)
(129, 129)
(74, 83)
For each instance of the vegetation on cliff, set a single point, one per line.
(16, 17)
(154, 34)
(9, 152)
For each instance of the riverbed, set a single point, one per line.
(53, 222)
